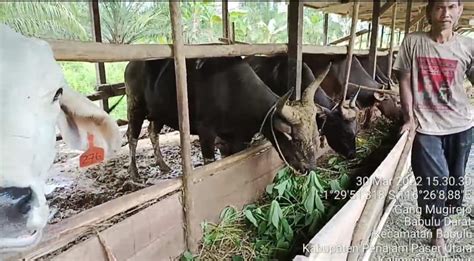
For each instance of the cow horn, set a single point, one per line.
(287, 112)
(308, 95)
(352, 104)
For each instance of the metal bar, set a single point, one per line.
(295, 46)
(373, 38)
(355, 17)
(184, 127)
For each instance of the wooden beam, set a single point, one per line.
(102, 52)
(417, 18)
(368, 35)
(325, 29)
(295, 46)
(315, 49)
(373, 39)
(110, 91)
(392, 41)
(184, 128)
(355, 14)
(408, 17)
(345, 38)
(382, 34)
(387, 6)
(68, 230)
(97, 33)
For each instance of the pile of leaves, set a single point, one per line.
(293, 209)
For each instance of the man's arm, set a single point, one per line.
(406, 99)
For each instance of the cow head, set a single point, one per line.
(340, 127)
(34, 100)
(389, 106)
(296, 130)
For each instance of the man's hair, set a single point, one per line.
(430, 6)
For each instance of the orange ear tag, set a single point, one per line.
(93, 155)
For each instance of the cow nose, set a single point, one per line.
(15, 201)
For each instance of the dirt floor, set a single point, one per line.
(403, 239)
(72, 189)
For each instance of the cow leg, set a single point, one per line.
(135, 121)
(154, 131)
(207, 141)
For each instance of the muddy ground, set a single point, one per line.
(72, 189)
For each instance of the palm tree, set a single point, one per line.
(47, 19)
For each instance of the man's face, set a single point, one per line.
(445, 14)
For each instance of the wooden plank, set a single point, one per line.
(184, 127)
(104, 52)
(159, 225)
(355, 13)
(387, 6)
(417, 19)
(315, 49)
(373, 39)
(103, 94)
(370, 215)
(236, 184)
(346, 218)
(345, 38)
(60, 234)
(295, 46)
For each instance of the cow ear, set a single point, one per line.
(80, 117)
(282, 127)
(379, 96)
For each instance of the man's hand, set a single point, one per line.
(408, 126)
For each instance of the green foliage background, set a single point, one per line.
(148, 22)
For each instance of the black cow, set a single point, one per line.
(333, 84)
(226, 99)
(381, 69)
(337, 123)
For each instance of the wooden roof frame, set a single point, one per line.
(344, 7)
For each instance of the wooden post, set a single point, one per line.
(184, 129)
(325, 29)
(373, 38)
(295, 46)
(226, 30)
(382, 35)
(97, 33)
(369, 35)
(408, 17)
(355, 17)
(392, 40)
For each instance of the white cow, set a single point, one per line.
(34, 99)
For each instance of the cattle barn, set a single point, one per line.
(165, 219)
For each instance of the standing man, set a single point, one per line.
(431, 68)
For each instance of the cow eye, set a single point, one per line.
(58, 94)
